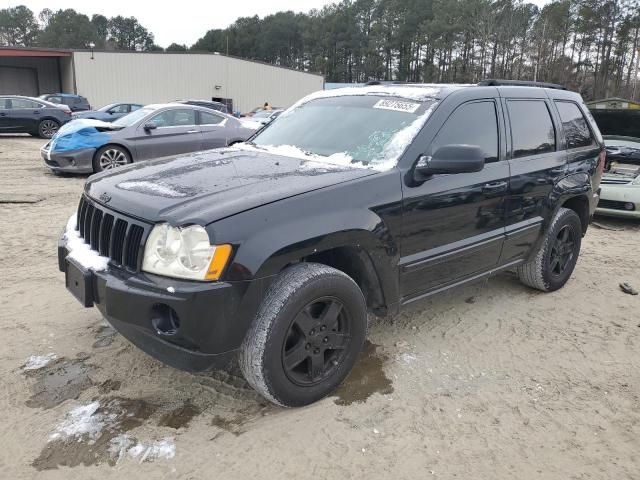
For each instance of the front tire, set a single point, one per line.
(306, 336)
(110, 157)
(556, 258)
(47, 128)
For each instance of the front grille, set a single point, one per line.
(115, 236)
(614, 205)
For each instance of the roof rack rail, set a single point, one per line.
(387, 82)
(490, 82)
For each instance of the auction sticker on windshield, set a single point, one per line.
(397, 105)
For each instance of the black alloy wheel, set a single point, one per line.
(316, 342)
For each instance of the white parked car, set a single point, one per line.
(620, 185)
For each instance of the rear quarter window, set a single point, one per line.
(532, 130)
(575, 126)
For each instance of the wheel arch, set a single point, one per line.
(580, 205)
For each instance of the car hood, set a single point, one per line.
(204, 187)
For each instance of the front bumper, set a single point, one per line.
(614, 200)
(209, 319)
(71, 161)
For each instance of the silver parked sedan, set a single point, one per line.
(85, 146)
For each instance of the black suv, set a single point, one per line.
(356, 200)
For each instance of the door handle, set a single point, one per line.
(494, 187)
(36, 112)
(192, 131)
(3, 114)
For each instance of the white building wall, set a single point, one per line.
(163, 77)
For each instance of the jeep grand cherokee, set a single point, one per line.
(356, 200)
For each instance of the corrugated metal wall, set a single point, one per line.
(156, 77)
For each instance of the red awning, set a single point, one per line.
(32, 52)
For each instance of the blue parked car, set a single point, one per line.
(110, 112)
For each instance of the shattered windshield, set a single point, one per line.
(368, 129)
(133, 117)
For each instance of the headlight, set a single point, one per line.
(184, 253)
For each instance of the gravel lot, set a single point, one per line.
(489, 381)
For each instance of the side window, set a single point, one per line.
(207, 118)
(473, 123)
(576, 129)
(55, 99)
(175, 118)
(122, 108)
(532, 131)
(134, 107)
(5, 103)
(23, 103)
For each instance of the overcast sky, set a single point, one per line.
(181, 21)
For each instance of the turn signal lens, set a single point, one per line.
(218, 262)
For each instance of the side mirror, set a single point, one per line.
(149, 126)
(450, 159)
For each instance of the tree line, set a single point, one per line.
(591, 46)
(70, 29)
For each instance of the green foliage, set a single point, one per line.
(18, 26)
(589, 45)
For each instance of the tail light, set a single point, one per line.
(601, 160)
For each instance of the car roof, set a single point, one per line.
(64, 94)
(35, 99)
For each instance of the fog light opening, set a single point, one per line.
(164, 319)
(629, 206)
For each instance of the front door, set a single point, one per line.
(176, 132)
(453, 225)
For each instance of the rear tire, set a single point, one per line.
(110, 157)
(556, 258)
(306, 336)
(47, 128)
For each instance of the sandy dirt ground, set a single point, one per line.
(487, 382)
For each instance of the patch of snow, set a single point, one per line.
(80, 251)
(84, 420)
(35, 362)
(123, 445)
(408, 358)
(171, 290)
(159, 188)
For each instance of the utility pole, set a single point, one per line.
(635, 80)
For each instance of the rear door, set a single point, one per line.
(453, 225)
(176, 132)
(24, 115)
(213, 128)
(537, 162)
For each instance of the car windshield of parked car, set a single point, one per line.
(263, 114)
(133, 117)
(370, 129)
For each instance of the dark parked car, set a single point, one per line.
(217, 106)
(77, 103)
(86, 146)
(369, 199)
(110, 112)
(31, 115)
